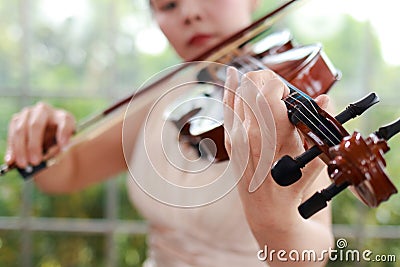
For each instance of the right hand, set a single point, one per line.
(36, 133)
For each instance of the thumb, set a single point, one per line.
(322, 101)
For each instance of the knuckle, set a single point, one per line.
(41, 105)
(20, 116)
(25, 110)
(67, 119)
(269, 72)
(61, 117)
(19, 129)
(253, 134)
(41, 108)
(256, 153)
(15, 118)
(35, 124)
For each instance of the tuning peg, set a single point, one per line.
(287, 170)
(388, 131)
(356, 109)
(319, 200)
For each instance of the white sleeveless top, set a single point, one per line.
(183, 229)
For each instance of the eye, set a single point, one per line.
(170, 5)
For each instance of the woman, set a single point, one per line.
(215, 234)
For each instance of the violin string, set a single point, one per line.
(258, 64)
(325, 127)
(261, 66)
(240, 61)
(307, 99)
(316, 127)
(246, 67)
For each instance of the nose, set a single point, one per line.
(191, 12)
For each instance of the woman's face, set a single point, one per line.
(194, 26)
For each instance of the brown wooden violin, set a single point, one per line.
(356, 162)
(352, 160)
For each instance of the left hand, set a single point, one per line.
(256, 120)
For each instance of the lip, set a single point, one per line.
(199, 39)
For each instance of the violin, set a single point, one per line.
(351, 159)
(306, 70)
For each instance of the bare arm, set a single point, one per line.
(278, 226)
(84, 164)
(77, 167)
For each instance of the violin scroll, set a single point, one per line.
(357, 162)
(287, 170)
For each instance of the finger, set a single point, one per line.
(65, 127)
(322, 101)
(274, 92)
(261, 138)
(238, 104)
(237, 116)
(39, 119)
(266, 122)
(238, 136)
(17, 136)
(260, 76)
(250, 120)
(51, 152)
(252, 126)
(231, 84)
(254, 97)
(9, 156)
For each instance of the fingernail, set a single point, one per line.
(22, 163)
(7, 158)
(35, 159)
(326, 100)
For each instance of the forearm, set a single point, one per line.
(280, 227)
(84, 164)
(94, 159)
(295, 242)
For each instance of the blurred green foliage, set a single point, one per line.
(84, 63)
